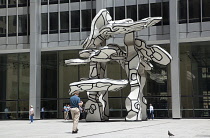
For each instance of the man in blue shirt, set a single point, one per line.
(75, 102)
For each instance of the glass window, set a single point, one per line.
(49, 75)
(67, 73)
(12, 25)
(132, 12)
(75, 0)
(75, 21)
(110, 9)
(86, 20)
(143, 11)
(64, 1)
(2, 26)
(22, 3)
(206, 10)
(22, 25)
(2, 3)
(165, 13)
(12, 3)
(53, 1)
(24, 71)
(44, 2)
(194, 11)
(53, 22)
(182, 11)
(64, 22)
(156, 11)
(44, 23)
(119, 13)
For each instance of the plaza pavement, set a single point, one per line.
(115, 128)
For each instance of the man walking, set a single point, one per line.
(75, 112)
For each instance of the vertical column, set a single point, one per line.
(174, 51)
(35, 56)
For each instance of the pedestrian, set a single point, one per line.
(151, 111)
(42, 112)
(65, 111)
(31, 114)
(75, 102)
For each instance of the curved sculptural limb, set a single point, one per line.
(102, 28)
(97, 104)
(138, 59)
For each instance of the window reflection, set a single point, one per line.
(182, 11)
(75, 21)
(49, 75)
(194, 11)
(206, 10)
(12, 25)
(156, 11)
(165, 13)
(22, 3)
(12, 3)
(86, 20)
(22, 25)
(143, 11)
(53, 1)
(2, 26)
(2, 3)
(119, 13)
(132, 12)
(54, 22)
(44, 23)
(64, 22)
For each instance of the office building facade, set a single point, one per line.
(37, 36)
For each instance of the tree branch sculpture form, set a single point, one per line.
(135, 61)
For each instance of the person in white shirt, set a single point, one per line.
(151, 112)
(31, 114)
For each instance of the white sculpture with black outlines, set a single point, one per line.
(135, 60)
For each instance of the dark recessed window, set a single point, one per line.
(132, 12)
(12, 3)
(110, 9)
(194, 11)
(64, 22)
(156, 11)
(64, 1)
(53, 1)
(206, 10)
(119, 13)
(93, 13)
(2, 3)
(165, 13)
(44, 23)
(12, 25)
(75, 0)
(143, 11)
(22, 3)
(86, 20)
(53, 22)
(75, 21)
(22, 25)
(182, 11)
(2, 26)
(44, 2)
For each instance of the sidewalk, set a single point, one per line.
(157, 128)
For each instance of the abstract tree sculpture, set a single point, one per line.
(135, 60)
